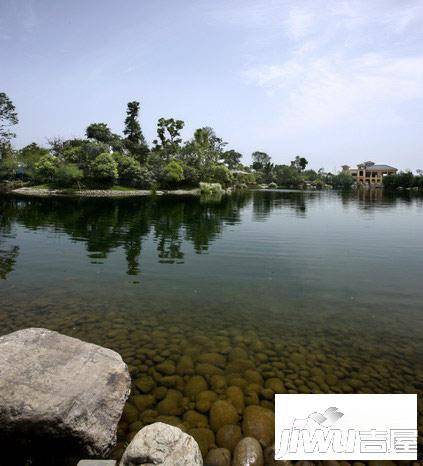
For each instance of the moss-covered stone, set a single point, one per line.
(228, 436)
(221, 413)
(259, 423)
(204, 437)
(195, 385)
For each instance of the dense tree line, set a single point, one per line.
(102, 159)
(404, 180)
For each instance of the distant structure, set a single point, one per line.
(369, 173)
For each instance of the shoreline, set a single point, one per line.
(44, 192)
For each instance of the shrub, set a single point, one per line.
(68, 175)
(272, 185)
(220, 174)
(211, 188)
(129, 169)
(174, 173)
(104, 168)
(8, 168)
(46, 167)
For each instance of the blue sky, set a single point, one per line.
(336, 81)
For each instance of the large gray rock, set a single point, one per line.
(57, 388)
(164, 445)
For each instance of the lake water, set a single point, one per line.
(288, 291)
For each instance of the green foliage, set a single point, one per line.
(29, 156)
(174, 172)
(231, 158)
(8, 118)
(210, 188)
(68, 175)
(8, 168)
(342, 181)
(169, 137)
(104, 169)
(99, 131)
(272, 185)
(132, 129)
(134, 143)
(260, 159)
(220, 174)
(403, 180)
(287, 176)
(299, 163)
(129, 169)
(46, 167)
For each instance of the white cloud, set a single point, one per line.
(344, 63)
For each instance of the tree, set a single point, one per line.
(29, 156)
(342, 181)
(260, 159)
(231, 158)
(299, 163)
(169, 137)
(132, 129)
(8, 118)
(104, 168)
(68, 175)
(45, 169)
(99, 131)
(129, 169)
(220, 174)
(204, 149)
(287, 176)
(174, 172)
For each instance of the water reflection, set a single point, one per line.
(106, 224)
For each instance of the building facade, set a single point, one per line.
(369, 173)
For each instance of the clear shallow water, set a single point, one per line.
(321, 291)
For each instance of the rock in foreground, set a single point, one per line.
(57, 388)
(164, 445)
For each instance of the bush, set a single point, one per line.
(272, 185)
(342, 181)
(211, 188)
(8, 168)
(45, 169)
(129, 169)
(174, 172)
(68, 175)
(220, 174)
(104, 168)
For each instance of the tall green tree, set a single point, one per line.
(132, 129)
(231, 158)
(299, 163)
(8, 118)
(135, 142)
(169, 137)
(260, 159)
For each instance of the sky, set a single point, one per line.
(338, 82)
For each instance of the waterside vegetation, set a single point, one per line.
(105, 160)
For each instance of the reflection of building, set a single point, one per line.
(368, 173)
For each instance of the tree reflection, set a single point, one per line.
(105, 224)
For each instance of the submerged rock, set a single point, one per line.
(218, 457)
(248, 452)
(259, 423)
(222, 413)
(164, 445)
(54, 387)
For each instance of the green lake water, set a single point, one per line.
(290, 291)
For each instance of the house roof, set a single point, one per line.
(380, 167)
